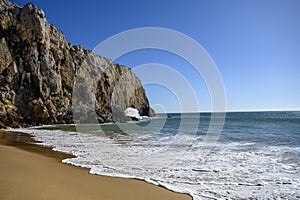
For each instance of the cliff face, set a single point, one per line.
(39, 70)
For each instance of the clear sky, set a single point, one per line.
(254, 43)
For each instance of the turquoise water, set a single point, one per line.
(257, 154)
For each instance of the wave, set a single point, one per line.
(232, 169)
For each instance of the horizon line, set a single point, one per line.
(232, 111)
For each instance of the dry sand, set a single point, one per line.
(31, 172)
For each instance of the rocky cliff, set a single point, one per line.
(42, 75)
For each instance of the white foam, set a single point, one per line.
(230, 171)
(132, 112)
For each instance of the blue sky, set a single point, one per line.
(255, 44)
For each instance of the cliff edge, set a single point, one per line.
(39, 70)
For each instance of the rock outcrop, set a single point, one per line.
(42, 75)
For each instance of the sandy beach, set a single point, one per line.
(28, 171)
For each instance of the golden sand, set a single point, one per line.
(31, 172)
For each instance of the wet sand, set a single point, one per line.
(29, 171)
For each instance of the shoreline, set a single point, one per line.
(30, 171)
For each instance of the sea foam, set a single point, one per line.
(232, 170)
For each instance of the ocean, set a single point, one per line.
(256, 156)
